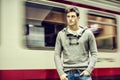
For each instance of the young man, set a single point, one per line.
(77, 46)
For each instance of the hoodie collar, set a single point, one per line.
(79, 33)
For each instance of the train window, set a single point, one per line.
(104, 28)
(43, 22)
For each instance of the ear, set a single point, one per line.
(78, 17)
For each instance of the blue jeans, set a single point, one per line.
(77, 76)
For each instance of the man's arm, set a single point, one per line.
(93, 52)
(57, 55)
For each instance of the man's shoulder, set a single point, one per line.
(86, 31)
(62, 31)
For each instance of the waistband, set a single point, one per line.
(74, 71)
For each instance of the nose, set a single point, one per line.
(70, 18)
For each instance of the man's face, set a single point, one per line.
(72, 18)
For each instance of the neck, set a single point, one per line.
(74, 28)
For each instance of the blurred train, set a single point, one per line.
(28, 30)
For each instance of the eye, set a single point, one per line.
(68, 16)
(73, 16)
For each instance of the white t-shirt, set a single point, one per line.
(77, 32)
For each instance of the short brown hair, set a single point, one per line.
(73, 9)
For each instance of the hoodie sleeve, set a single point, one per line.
(93, 51)
(57, 55)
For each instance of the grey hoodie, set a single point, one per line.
(79, 51)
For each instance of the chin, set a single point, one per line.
(71, 24)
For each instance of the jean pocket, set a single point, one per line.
(86, 77)
(76, 75)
